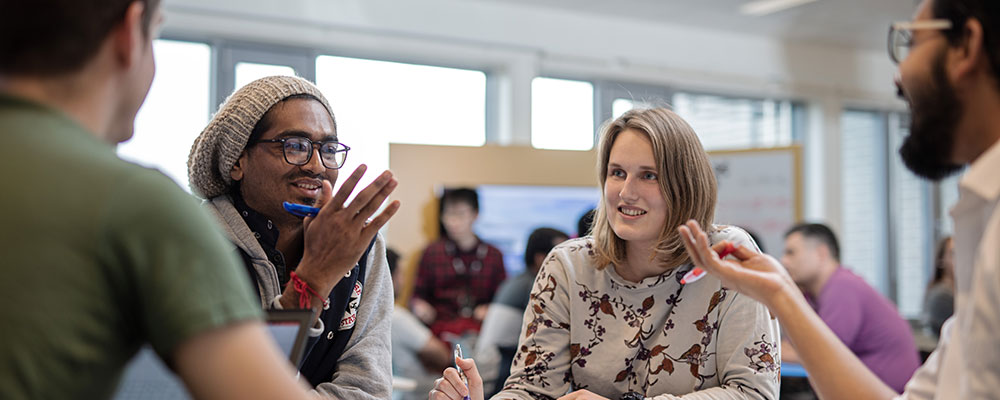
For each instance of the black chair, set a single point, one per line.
(506, 359)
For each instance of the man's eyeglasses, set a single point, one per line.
(299, 150)
(901, 36)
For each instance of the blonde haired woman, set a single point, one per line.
(609, 318)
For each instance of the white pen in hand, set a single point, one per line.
(461, 373)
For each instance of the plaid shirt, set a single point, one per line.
(447, 278)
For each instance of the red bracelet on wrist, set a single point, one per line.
(306, 292)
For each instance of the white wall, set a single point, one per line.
(516, 42)
(486, 34)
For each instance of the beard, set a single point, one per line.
(934, 114)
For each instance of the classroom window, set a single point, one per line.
(888, 226)
(247, 72)
(621, 106)
(562, 114)
(865, 228)
(380, 102)
(175, 111)
(912, 222)
(736, 123)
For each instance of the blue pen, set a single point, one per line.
(300, 210)
(461, 374)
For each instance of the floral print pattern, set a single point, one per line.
(588, 328)
(762, 357)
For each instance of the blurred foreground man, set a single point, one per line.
(949, 65)
(101, 256)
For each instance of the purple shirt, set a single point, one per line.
(870, 326)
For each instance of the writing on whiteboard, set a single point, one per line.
(758, 191)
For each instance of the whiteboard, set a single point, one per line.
(759, 190)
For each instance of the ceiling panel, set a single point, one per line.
(850, 23)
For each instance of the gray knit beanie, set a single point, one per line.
(217, 148)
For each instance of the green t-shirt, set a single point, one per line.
(98, 257)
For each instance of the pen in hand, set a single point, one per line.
(697, 273)
(461, 373)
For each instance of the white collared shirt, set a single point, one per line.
(966, 364)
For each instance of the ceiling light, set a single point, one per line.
(760, 8)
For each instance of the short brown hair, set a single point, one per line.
(820, 234)
(687, 183)
(53, 37)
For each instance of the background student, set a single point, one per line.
(863, 319)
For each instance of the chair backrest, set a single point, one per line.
(507, 354)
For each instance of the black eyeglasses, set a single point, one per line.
(299, 150)
(901, 36)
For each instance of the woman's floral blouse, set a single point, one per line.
(591, 329)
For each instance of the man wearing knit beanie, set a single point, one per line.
(274, 142)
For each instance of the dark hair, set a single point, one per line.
(456, 195)
(53, 37)
(540, 242)
(942, 248)
(819, 232)
(756, 240)
(265, 121)
(987, 12)
(585, 222)
(460, 195)
(391, 258)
